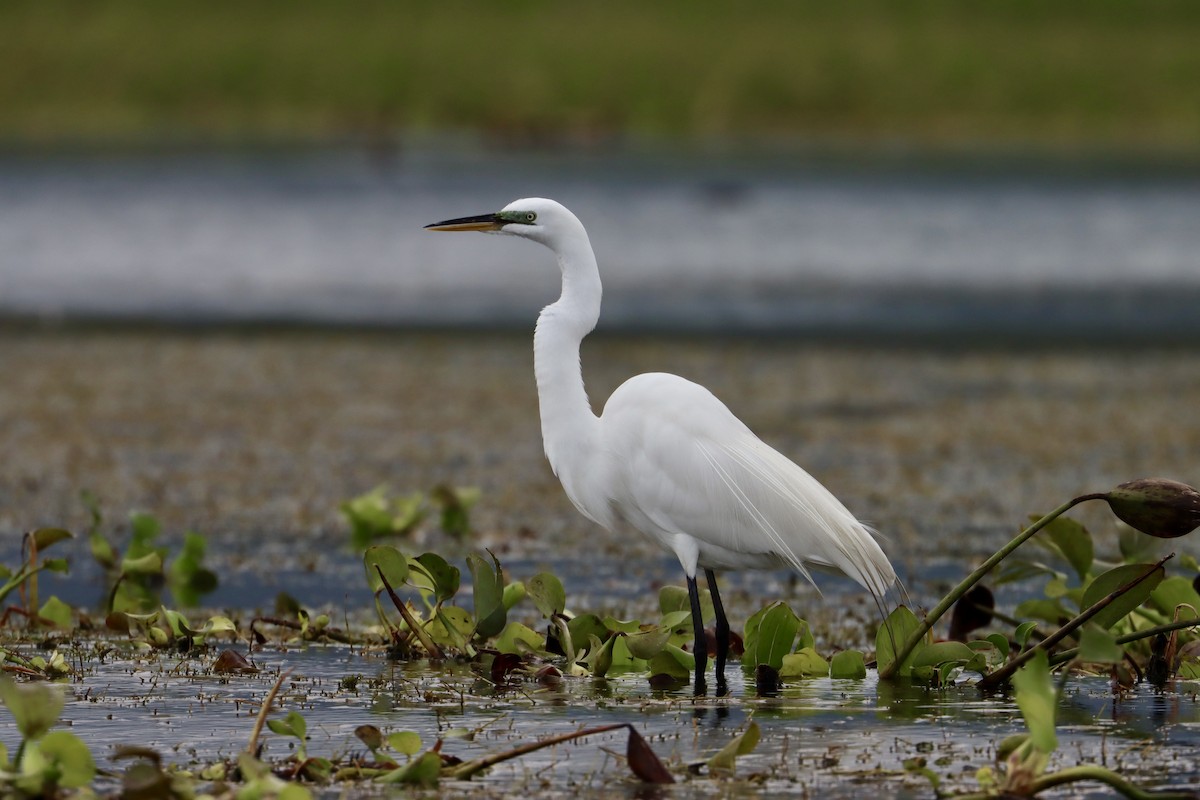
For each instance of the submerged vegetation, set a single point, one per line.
(1119, 615)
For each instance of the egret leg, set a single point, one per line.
(700, 646)
(722, 629)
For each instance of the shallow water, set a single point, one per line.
(685, 241)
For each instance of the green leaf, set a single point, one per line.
(892, 635)
(1022, 632)
(1001, 643)
(675, 598)
(59, 565)
(405, 742)
(648, 641)
(35, 706)
(513, 594)
(44, 537)
(1113, 580)
(71, 758)
(1037, 700)
(848, 664)
(547, 594)
(432, 573)
(488, 585)
(1051, 611)
(57, 612)
(600, 655)
(390, 561)
(1099, 646)
(424, 771)
(932, 655)
(455, 503)
(805, 663)
(742, 744)
(148, 564)
(519, 639)
(772, 638)
(586, 625)
(1174, 592)
(665, 662)
(1072, 541)
(451, 627)
(145, 530)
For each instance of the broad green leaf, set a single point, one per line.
(742, 744)
(1099, 646)
(488, 586)
(405, 742)
(1174, 592)
(586, 625)
(547, 594)
(451, 627)
(1113, 580)
(622, 625)
(390, 561)
(513, 593)
(70, 755)
(519, 639)
(145, 530)
(665, 662)
(675, 598)
(892, 635)
(1072, 541)
(1051, 611)
(648, 642)
(44, 537)
(424, 771)
(931, 655)
(773, 636)
(1037, 700)
(805, 663)
(677, 621)
(848, 664)
(432, 573)
(57, 612)
(1001, 643)
(59, 565)
(147, 564)
(35, 706)
(1021, 634)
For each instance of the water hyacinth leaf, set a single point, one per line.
(424, 772)
(231, 661)
(547, 593)
(145, 529)
(1071, 540)
(434, 574)
(677, 621)
(44, 537)
(102, 551)
(455, 503)
(70, 757)
(775, 632)
(1051, 611)
(56, 612)
(35, 706)
(291, 725)
(1037, 700)
(937, 653)
(675, 598)
(406, 743)
(892, 634)
(147, 564)
(388, 560)
(451, 627)
(1099, 646)
(488, 585)
(513, 593)
(1174, 592)
(600, 655)
(585, 626)
(848, 664)
(519, 639)
(804, 663)
(1114, 579)
(622, 625)
(1022, 632)
(742, 744)
(665, 663)
(648, 641)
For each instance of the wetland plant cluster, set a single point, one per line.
(1119, 615)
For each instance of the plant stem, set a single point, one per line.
(1068, 655)
(465, 770)
(1001, 676)
(1094, 773)
(430, 647)
(252, 747)
(983, 569)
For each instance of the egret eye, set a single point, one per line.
(530, 217)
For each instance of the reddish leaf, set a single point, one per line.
(232, 661)
(643, 761)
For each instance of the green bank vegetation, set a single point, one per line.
(1098, 75)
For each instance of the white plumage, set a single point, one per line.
(666, 456)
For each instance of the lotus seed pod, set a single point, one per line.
(1156, 506)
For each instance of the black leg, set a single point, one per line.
(700, 647)
(722, 630)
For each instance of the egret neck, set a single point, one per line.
(569, 426)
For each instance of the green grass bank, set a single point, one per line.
(1091, 75)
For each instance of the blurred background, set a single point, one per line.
(203, 207)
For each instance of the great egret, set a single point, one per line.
(666, 456)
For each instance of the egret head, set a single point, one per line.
(534, 218)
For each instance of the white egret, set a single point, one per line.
(666, 456)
